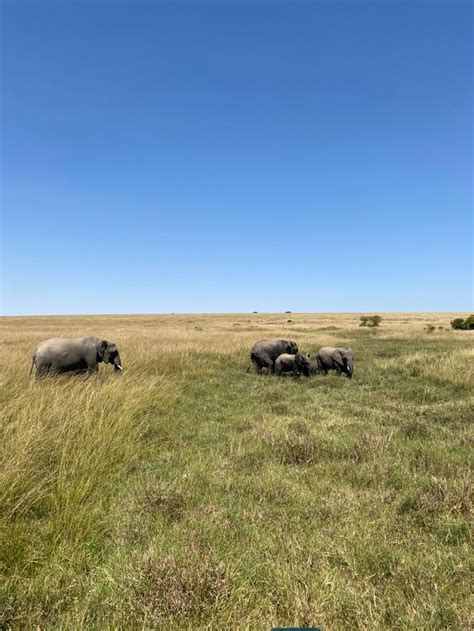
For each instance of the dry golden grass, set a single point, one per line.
(187, 492)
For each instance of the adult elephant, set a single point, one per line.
(338, 359)
(263, 354)
(60, 355)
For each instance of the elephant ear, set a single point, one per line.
(101, 350)
(339, 358)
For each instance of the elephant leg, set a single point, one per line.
(269, 363)
(42, 370)
(254, 360)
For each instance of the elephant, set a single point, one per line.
(60, 355)
(264, 353)
(338, 359)
(296, 364)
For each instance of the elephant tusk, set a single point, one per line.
(119, 366)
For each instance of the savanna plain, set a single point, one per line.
(189, 493)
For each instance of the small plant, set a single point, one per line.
(465, 325)
(371, 321)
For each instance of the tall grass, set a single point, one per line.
(187, 492)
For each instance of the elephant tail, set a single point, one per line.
(33, 361)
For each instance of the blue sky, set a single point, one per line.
(236, 156)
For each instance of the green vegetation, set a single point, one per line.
(371, 321)
(188, 493)
(465, 325)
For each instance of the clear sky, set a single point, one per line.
(236, 156)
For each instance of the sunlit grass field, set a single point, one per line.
(188, 493)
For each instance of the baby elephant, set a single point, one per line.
(296, 364)
(60, 355)
(338, 359)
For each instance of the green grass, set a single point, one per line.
(190, 493)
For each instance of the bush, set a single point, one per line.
(430, 328)
(465, 325)
(374, 320)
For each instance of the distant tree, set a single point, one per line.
(371, 321)
(254, 311)
(469, 323)
(465, 325)
(287, 311)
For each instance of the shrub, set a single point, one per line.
(430, 328)
(466, 325)
(371, 321)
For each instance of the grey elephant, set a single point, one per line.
(60, 355)
(297, 364)
(263, 354)
(338, 359)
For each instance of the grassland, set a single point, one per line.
(189, 493)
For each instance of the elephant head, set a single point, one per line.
(303, 363)
(292, 348)
(107, 352)
(345, 356)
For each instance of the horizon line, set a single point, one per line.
(216, 313)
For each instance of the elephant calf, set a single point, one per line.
(263, 354)
(59, 355)
(338, 359)
(296, 364)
